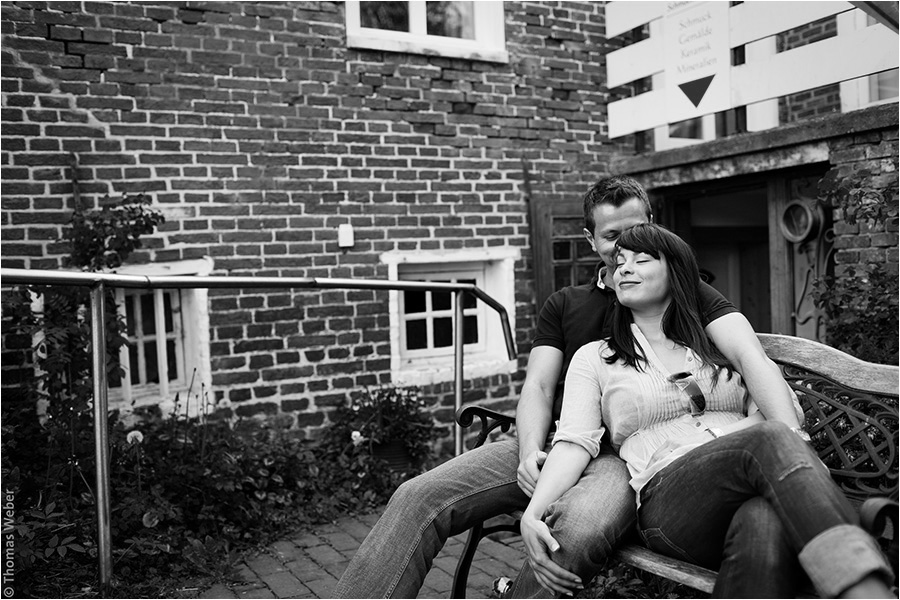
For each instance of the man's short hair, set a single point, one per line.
(615, 190)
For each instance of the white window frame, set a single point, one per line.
(192, 349)
(489, 356)
(855, 93)
(489, 43)
(451, 272)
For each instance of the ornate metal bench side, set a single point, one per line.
(851, 415)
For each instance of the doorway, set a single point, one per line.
(729, 230)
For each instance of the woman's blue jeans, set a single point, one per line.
(687, 508)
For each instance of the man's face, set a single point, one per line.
(609, 222)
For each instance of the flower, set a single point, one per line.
(357, 438)
(134, 437)
(150, 518)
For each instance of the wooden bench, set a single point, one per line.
(850, 408)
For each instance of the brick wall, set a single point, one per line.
(258, 132)
(863, 244)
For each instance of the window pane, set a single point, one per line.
(152, 364)
(416, 337)
(441, 300)
(469, 300)
(690, 129)
(129, 314)
(584, 273)
(562, 250)
(167, 303)
(384, 15)
(148, 317)
(171, 360)
(133, 359)
(883, 86)
(562, 276)
(443, 332)
(470, 330)
(451, 19)
(573, 226)
(413, 302)
(584, 249)
(115, 379)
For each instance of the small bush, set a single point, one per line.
(186, 496)
(861, 312)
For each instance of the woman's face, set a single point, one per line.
(641, 280)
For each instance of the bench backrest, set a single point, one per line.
(851, 412)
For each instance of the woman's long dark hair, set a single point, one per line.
(681, 321)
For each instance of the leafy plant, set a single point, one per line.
(104, 239)
(861, 306)
(859, 195)
(862, 313)
(382, 414)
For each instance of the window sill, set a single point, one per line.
(428, 372)
(431, 47)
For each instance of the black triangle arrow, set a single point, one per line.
(695, 90)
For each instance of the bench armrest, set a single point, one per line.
(879, 516)
(490, 420)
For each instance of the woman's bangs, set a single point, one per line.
(640, 240)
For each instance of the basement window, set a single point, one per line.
(168, 342)
(422, 322)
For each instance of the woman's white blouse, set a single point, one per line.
(642, 409)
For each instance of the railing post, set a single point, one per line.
(101, 432)
(458, 368)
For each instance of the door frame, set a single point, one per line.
(777, 187)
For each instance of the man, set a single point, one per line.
(592, 517)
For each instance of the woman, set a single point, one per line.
(696, 446)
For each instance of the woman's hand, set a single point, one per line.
(540, 544)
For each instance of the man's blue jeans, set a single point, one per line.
(397, 554)
(687, 508)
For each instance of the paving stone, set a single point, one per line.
(325, 555)
(439, 579)
(371, 518)
(306, 540)
(306, 570)
(218, 590)
(285, 584)
(323, 588)
(511, 557)
(479, 584)
(308, 564)
(355, 529)
(243, 573)
(326, 528)
(341, 541)
(285, 550)
(336, 569)
(260, 592)
(426, 591)
(263, 564)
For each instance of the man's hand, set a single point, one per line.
(529, 469)
(540, 545)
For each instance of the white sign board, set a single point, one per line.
(697, 59)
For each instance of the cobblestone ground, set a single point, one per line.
(308, 564)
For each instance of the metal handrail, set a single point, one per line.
(98, 282)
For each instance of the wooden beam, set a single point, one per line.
(785, 136)
(884, 12)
